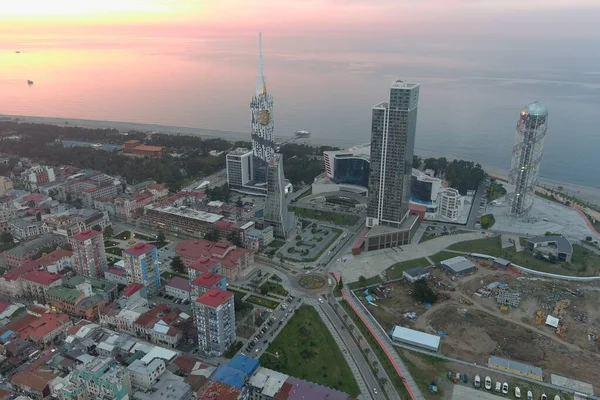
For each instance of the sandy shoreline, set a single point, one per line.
(586, 193)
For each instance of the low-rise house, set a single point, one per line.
(34, 383)
(25, 228)
(162, 325)
(116, 275)
(178, 288)
(55, 261)
(19, 255)
(37, 283)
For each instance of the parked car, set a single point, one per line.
(465, 378)
(498, 387)
(488, 383)
(477, 382)
(505, 388)
(517, 392)
(529, 395)
(544, 397)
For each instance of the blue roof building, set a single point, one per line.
(243, 363)
(229, 376)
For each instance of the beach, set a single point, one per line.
(585, 193)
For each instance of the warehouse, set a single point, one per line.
(458, 266)
(414, 274)
(515, 367)
(415, 338)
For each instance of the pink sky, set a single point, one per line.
(183, 17)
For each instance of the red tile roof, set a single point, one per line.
(42, 326)
(50, 258)
(16, 273)
(115, 271)
(140, 248)
(204, 264)
(36, 197)
(207, 280)
(3, 306)
(179, 283)
(132, 289)
(214, 297)
(37, 380)
(85, 235)
(219, 391)
(157, 187)
(142, 195)
(42, 277)
(202, 249)
(145, 147)
(185, 362)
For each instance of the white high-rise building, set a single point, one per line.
(214, 315)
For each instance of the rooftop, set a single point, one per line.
(417, 271)
(37, 380)
(139, 249)
(98, 285)
(169, 388)
(207, 279)
(132, 288)
(230, 376)
(179, 283)
(42, 277)
(243, 363)
(516, 365)
(186, 212)
(216, 390)
(458, 264)
(43, 325)
(563, 245)
(145, 147)
(85, 235)
(214, 297)
(297, 389)
(35, 244)
(268, 381)
(65, 294)
(115, 271)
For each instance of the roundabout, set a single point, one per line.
(312, 281)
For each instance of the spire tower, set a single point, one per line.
(261, 82)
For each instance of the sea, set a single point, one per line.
(470, 93)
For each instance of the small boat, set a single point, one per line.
(529, 395)
(488, 383)
(477, 382)
(517, 392)
(29, 82)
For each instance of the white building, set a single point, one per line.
(178, 288)
(450, 204)
(144, 374)
(214, 315)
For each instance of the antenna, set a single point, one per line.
(261, 83)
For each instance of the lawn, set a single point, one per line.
(115, 251)
(427, 236)
(584, 263)
(170, 275)
(365, 282)
(396, 270)
(326, 216)
(305, 194)
(125, 235)
(305, 349)
(262, 302)
(424, 369)
(110, 243)
(275, 288)
(441, 256)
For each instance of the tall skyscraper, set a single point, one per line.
(527, 155)
(276, 213)
(89, 253)
(141, 265)
(263, 135)
(392, 146)
(214, 315)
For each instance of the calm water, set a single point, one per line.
(471, 94)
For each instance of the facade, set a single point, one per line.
(141, 266)
(383, 237)
(116, 275)
(276, 213)
(37, 175)
(180, 220)
(221, 258)
(55, 261)
(24, 252)
(516, 368)
(162, 325)
(25, 228)
(5, 185)
(527, 156)
(263, 134)
(349, 167)
(89, 253)
(424, 188)
(450, 204)
(144, 374)
(214, 315)
(240, 172)
(36, 284)
(392, 146)
(178, 288)
(99, 378)
(414, 274)
(206, 281)
(259, 239)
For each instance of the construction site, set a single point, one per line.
(551, 324)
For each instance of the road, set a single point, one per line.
(367, 382)
(475, 209)
(386, 344)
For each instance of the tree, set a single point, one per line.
(38, 216)
(234, 238)
(548, 233)
(239, 202)
(97, 228)
(7, 237)
(109, 231)
(362, 280)
(177, 265)
(421, 292)
(212, 235)
(160, 238)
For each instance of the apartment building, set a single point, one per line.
(235, 263)
(37, 283)
(206, 281)
(214, 315)
(17, 256)
(25, 228)
(89, 253)
(141, 266)
(162, 325)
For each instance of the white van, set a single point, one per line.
(498, 387)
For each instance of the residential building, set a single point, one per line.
(178, 288)
(424, 188)
(205, 256)
(122, 319)
(392, 145)
(116, 275)
(276, 213)
(5, 185)
(179, 220)
(136, 149)
(102, 287)
(11, 283)
(240, 172)
(173, 387)
(265, 383)
(101, 378)
(17, 256)
(145, 374)
(141, 265)
(450, 204)
(259, 239)
(82, 296)
(89, 253)
(162, 325)
(214, 316)
(36, 283)
(37, 175)
(25, 228)
(33, 383)
(8, 211)
(55, 261)
(206, 281)
(40, 328)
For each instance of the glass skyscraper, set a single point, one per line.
(276, 213)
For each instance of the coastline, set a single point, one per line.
(587, 193)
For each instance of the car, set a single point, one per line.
(529, 395)
(375, 390)
(544, 397)
(256, 351)
(517, 392)
(320, 300)
(477, 382)
(505, 388)
(498, 387)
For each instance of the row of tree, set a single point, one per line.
(462, 175)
